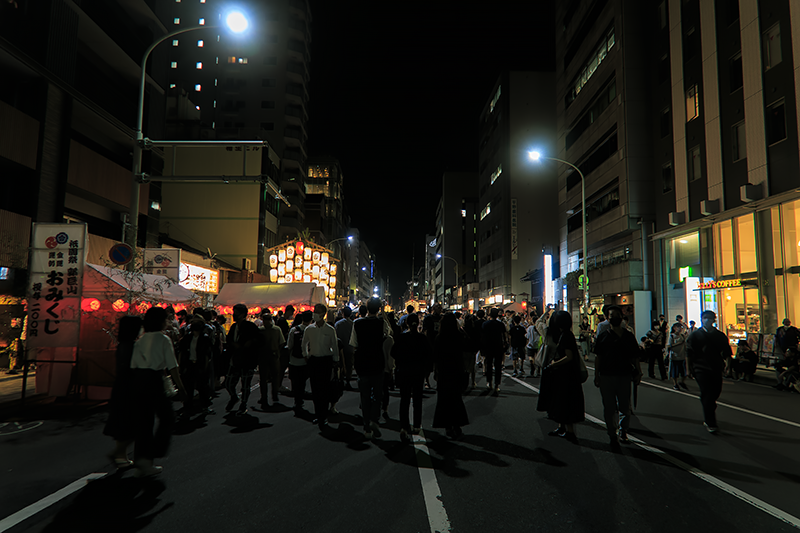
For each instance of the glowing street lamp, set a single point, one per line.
(535, 156)
(235, 22)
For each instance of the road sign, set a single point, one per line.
(120, 254)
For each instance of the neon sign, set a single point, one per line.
(722, 284)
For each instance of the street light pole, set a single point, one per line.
(537, 155)
(237, 23)
(455, 266)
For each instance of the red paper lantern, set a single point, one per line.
(254, 310)
(120, 306)
(90, 304)
(298, 248)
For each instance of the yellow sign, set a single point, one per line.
(722, 284)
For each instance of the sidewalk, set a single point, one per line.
(11, 391)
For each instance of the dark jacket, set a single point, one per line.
(412, 354)
(244, 351)
(204, 349)
(707, 350)
(368, 358)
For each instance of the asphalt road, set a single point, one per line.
(272, 471)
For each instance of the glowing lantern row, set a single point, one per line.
(298, 275)
(120, 306)
(281, 256)
(324, 258)
(290, 252)
(254, 310)
(333, 269)
(273, 275)
(289, 265)
(307, 254)
(299, 247)
(332, 303)
(307, 267)
(315, 257)
(332, 281)
(273, 261)
(90, 304)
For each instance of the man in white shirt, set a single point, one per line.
(321, 351)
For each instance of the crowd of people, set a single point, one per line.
(164, 357)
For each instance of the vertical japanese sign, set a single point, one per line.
(58, 259)
(514, 244)
(163, 262)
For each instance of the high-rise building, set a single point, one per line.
(456, 238)
(517, 214)
(604, 129)
(726, 161)
(253, 86)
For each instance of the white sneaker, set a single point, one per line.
(145, 468)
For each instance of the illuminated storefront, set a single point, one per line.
(746, 269)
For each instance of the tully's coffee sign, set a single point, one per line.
(722, 284)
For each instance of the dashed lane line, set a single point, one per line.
(11, 521)
(708, 478)
(437, 515)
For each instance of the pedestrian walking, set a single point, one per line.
(269, 365)
(707, 349)
(321, 350)
(655, 351)
(430, 328)
(344, 329)
(532, 343)
(517, 340)
(676, 351)
(449, 348)
(244, 343)
(122, 405)
(412, 355)
(561, 390)
(585, 337)
(194, 354)
(493, 349)
(368, 337)
(152, 357)
(616, 369)
(472, 327)
(298, 366)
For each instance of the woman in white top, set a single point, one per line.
(153, 355)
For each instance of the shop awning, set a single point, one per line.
(514, 306)
(105, 283)
(270, 294)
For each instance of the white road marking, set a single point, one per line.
(11, 521)
(437, 516)
(729, 406)
(730, 489)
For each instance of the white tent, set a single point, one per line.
(270, 294)
(106, 283)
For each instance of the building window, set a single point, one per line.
(695, 169)
(667, 178)
(739, 144)
(242, 60)
(692, 103)
(200, 43)
(496, 173)
(493, 103)
(176, 20)
(3, 272)
(174, 64)
(174, 42)
(689, 44)
(592, 64)
(486, 210)
(663, 69)
(202, 22)
(735, 69)
(171, 85)
(772, 46)
(776, 123)
(463, 213)
(666, 122)
(199, 65)
(198, 87)
(268, 126)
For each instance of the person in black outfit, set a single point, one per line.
(244, 343)
(449, 348)
(412, 355)
(517, 339)
(493, 347)
(561, 390)
(369, 334)
(616, 369)
(430, 327)
(707, 349)
(120, 425)
(655, 350)
(194, 356)
(746, 361)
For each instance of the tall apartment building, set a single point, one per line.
(361, 263)
(725, 130)
(246, 87)
(604, 128)
(456, 249)
(518, 197)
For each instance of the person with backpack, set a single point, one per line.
(616, 369)
(518, 341)
(298, 366)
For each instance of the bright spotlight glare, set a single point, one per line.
(534, 155)
(237, 22)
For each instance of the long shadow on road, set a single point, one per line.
(112, 503)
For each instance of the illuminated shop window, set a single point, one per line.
(486, 210)
(174, 42)
(198, 87)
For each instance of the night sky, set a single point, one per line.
(396, 91)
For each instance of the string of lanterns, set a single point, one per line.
(301, 263)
